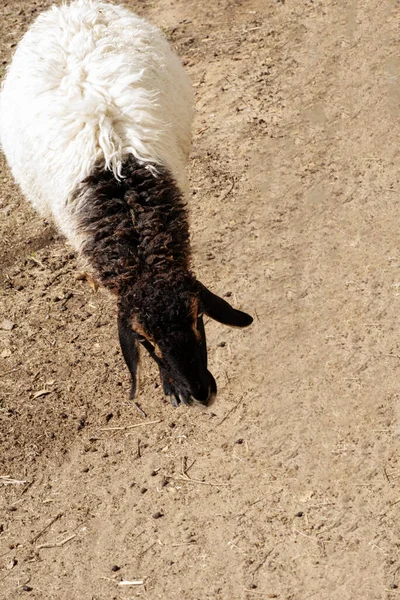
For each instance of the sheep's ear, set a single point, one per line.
(219, 310)
(129, 347)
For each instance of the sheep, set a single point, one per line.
(95, 123)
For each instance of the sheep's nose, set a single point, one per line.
(206, 394)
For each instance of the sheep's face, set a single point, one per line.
(179, 348)
(170, 327)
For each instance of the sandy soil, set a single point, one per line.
(289, 486)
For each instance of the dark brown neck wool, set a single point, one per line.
(135, 229)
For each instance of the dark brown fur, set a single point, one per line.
(136, 240)
(135, 228)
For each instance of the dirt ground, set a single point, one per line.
(288, 487)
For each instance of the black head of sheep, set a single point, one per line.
(170, 327)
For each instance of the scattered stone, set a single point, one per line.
(13, 562)
(7, 325)
(157, 515)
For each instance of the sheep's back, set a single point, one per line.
(91, 81)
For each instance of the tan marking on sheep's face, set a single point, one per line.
(140, 331)
(195, 315)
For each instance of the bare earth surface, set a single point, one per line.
(288, 487)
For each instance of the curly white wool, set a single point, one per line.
(91, 81)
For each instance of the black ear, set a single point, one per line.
(221, 311)
(129, 347)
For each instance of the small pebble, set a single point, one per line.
(157, 515)
(13, 562)
(7, 325)
(143, 490)
(27, 588)
(299, 514)
(85, 470)
(154, 473)
(115, 568)
(222, 344)
(240, 441)
(109, 417)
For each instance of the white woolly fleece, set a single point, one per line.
(89, 81)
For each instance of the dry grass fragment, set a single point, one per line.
(40, 393)
(183, 476)
(7, 480)
(57, 544)
(126, 427)
(41, 532)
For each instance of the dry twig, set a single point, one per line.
(56, 544)
(41, 532)
(37, 262)
(229, 191)
(7, 480)
(140, 409)
(130, 426)
(183, 476)
(8, 372)
(228, 414)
